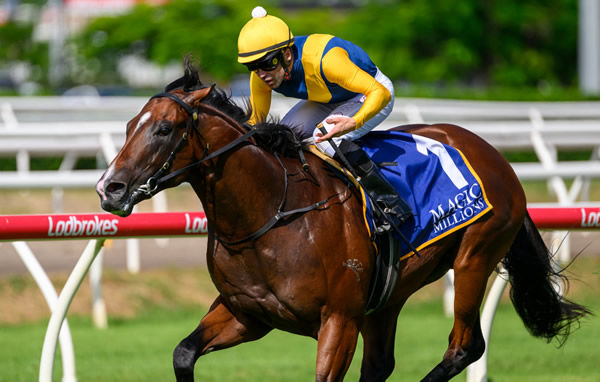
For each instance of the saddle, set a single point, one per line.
(448, 196)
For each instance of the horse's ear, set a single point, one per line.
(196, 96)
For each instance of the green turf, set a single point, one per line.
(140, 350)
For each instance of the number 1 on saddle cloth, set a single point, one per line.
(379, 189)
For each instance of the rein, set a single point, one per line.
(161, 177)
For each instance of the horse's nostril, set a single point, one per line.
(114, 187)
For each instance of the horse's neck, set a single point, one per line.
(242, 191)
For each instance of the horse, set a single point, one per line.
(288, 248)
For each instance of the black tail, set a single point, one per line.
(534, 283)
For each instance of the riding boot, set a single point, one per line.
(376, 185)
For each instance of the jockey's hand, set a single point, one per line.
(342, 125)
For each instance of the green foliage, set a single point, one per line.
(207, 30)
(15, 41)
(429, 48)
(16, 44)
(479, 43)
(47, 163)
(8, 164)
(442, 42)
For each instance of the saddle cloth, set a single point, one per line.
(435, 179)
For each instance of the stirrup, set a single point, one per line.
(387, 227)
(401, 216)
(398, 220)
(394, 207)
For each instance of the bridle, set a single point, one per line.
(161, 176)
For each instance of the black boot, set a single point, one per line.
(377, 186)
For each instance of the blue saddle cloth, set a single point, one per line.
(435, 179)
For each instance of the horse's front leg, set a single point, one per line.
(219, 329)
(337, 342)
(379, 335)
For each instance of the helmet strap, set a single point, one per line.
(285, 65)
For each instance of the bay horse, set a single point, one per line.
(282, 238)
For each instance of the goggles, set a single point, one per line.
(268, 63)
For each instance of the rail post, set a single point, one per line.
(64, 301)
(49, 293)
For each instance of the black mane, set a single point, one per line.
(271, 135)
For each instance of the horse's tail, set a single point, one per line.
(544, 311)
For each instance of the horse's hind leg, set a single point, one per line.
(466, 343)
(219, 329)
(466, 346)
(480, 251)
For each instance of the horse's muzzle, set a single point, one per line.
(115, 197)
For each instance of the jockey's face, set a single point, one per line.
(274, 78)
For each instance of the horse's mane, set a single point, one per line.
(271, 135)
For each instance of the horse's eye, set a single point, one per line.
(164, 130)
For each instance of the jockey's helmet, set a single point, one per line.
(261, 35)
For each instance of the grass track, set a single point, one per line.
(140, 349)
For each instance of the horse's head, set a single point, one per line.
(156, 142)
(180, 129)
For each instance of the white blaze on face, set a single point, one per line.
(108, 174)
(143, 120)
(100, 185)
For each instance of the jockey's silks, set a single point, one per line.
(326, 69)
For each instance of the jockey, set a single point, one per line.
(340, 89)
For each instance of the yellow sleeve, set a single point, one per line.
(260, 99)
(339, 69)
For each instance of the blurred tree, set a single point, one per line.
(207, 30)
(475, 43)
(17, 45)
(15, 41)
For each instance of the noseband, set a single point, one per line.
(160, 176)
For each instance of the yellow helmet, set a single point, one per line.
(262, 34)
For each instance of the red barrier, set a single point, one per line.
(85, 226)
(585, 218)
